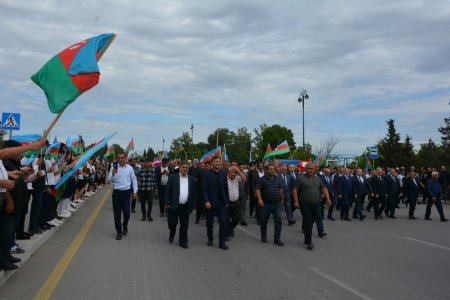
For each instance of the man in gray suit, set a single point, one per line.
(179, 202)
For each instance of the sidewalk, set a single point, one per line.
(32, 245)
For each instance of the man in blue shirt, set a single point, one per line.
(122, 177)
(434, 193)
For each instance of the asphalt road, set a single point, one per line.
(387, 259)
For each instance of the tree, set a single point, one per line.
(303, 153)
(327, 147)
(429, 155)
(445, 131)
(184, 140)
(389, 148)
(239, 150)
(225, 137)
(273, 135)
(408, 157)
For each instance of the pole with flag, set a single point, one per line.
(129, 148)
(70, 73)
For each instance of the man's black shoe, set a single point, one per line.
(362, 217)
(322, 234)
(125, 230)
(14, 260)
(7, 266)
(150, 219)
(35, 231)
(22, 237)
(291, 222)
(227, 238)
(170, 239)
(331, 218)
(347, 219)
(184, 245)
(243, 223)
(392, 217)
(28, 233)
(224, 247)
(264, 240)
(119, 236)
(133, 210)
(210, 243)
(232, 232)
(428, 218)
(310, 246)
(143, 219)
(444, 220)
(279, 243)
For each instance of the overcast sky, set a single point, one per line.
(236, 63)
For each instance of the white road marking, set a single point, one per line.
(427, 243)
(248, 232)
(341, 284)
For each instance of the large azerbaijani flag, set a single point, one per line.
(224, 154)
(130, 146)
(28, 139)
(211, 154)
(110, 151)
(281, 149)
(268, 152)
(52, 150)
(178, 151)
(72, 72)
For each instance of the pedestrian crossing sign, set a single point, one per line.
(10, 121)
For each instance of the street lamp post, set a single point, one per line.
(163, 145)
(192, 133)
(301, 99)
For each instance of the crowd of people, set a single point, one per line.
(226, 190)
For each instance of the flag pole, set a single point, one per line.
(47, 131)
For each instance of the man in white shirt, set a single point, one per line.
(122, 177)
(179, 202)
(233, 207)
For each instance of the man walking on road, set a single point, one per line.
(270, 198)
(122, 178)
(215, 193)
(434, 193)
(306, 194)
(179, 202)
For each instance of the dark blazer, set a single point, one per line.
(327, 184)
(345, 186)
(379, 186)
(286, 187)
(158, 175)
(393, 186)
(411, 189)
(368, 186)
(172, 195)
(209, 187)
(358, 186)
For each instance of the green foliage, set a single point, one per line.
(273, 135)
(430, 155)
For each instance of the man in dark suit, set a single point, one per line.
(393, 191)
(216, 196)
(179, 202)
(358, 182)
(326, 180)
(411, 188)
(286, 183)
(380, 193)
(162, 176)
(345, 194)
(368, 189)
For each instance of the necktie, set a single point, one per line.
(360, 179)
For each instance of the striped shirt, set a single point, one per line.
(269, 189)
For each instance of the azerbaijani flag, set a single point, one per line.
(52, 150)
(320, 160)
(268, 151)
(224, 154)
(110, 151)
(72, 72)
(210, 155)
(367, 163)
(178, 151)
(57, 193)
(74, 144)
(281, 149)
(165, 154)
(28, 139)
(130, 146)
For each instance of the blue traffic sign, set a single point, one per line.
(374, 152)
(10, 121)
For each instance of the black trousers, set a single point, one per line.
(438, 205)
(379, 204)
(309, 212)
(199, 206)
(181, 213)
(7, 229)
(234, 215)
(412, 206)
(121, 204)
(146, 197)
(161, 194)
(24, 212)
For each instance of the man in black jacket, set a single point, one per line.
(380, 193)
(179, 202)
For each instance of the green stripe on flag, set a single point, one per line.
(57, 84)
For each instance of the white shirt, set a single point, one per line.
(233, 188)
(50, 176)
(164, 177)
(184, 189)
(123, 179)
(3, 175)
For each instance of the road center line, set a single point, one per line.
(52, 281)
(341, 284)
(427, 243)
(248, 232)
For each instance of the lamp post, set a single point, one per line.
(192, 133)
(301, 99)
(163, 145)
